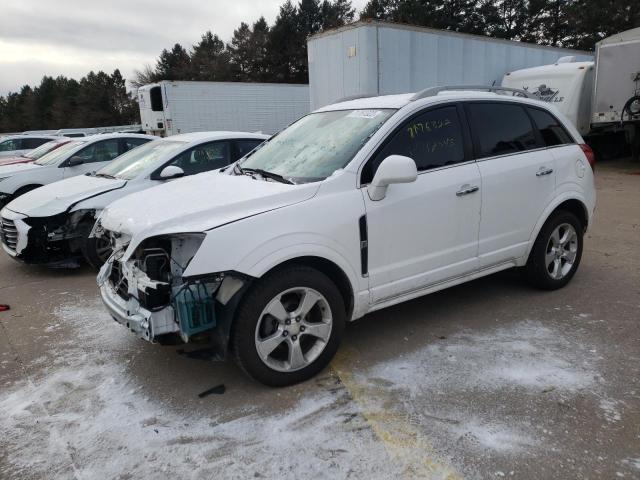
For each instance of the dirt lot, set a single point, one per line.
(487, 380)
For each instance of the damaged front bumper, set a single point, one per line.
(128, 312)
(14, 232)
(149, 296)
(51, 240)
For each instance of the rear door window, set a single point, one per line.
(245, 146)
(500, 129)
(551, 131)
(432, 139)
(11, 144)
(31, 143)
(129, 143)
(204, 158)
(102, 151)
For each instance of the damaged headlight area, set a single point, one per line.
(56, 238)
(155, 299)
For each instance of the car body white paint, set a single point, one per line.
(252, 226)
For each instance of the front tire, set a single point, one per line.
(96, 251)
(288, 326)
(557, 251)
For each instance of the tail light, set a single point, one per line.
(591, 157)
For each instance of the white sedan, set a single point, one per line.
(74, 158)
(52, 224)
(12, 145)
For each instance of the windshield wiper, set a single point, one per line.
(103, 175)
(264, 173)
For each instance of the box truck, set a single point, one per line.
(172, 107)
(381, 58)
(601, 97)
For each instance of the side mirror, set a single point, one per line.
(393, 169)
(170, 172)
(75, 161)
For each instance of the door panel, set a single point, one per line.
(517, 185)
(515, 192)
(423, 233)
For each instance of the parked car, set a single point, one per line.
(358, 206)
(12, 145)
(74, 158)
(57, 219)
(36, 153)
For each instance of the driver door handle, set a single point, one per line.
(467, 189)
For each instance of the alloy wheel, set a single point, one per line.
(293, 329)
(561, 252)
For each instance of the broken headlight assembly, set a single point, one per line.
(163, 260)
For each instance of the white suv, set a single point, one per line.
(358, 206)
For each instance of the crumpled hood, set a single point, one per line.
(58, 197)
(9, 170)
(14, 160)
(198, 203)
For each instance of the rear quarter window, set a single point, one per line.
(500, 129)
(550, 128)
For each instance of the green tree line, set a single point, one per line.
(97, 100)
(259, 52)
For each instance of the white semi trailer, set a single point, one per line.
(601, 98)
(379, 58)
(172, 107)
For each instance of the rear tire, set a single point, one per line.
(288, 326)
(556, 253)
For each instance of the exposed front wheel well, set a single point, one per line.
(331, 270)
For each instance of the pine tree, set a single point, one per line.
(241, 52)
(210, 59)
(283, 46)
(174, 64)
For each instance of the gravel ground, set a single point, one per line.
(486, 380)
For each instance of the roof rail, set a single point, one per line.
(433, 91)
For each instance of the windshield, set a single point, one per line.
(317, 145)
(52, 158)
(42, 150)
(134, 162)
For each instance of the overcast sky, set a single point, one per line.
(72, 37)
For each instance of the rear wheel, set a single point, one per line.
(557, 251)
(288, 326)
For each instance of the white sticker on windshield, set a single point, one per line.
(364, 114)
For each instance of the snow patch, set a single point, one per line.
(463, 379)
(610, 410)
(87, 416)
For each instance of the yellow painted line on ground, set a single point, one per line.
(404, 443)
